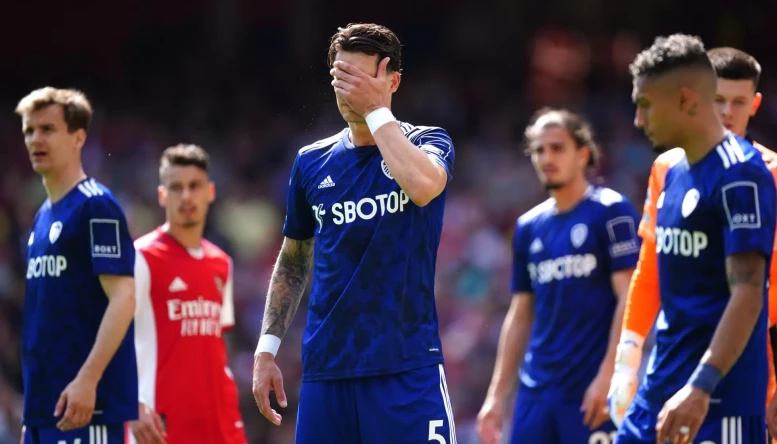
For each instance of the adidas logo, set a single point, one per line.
(535, 246)
(177, 285)
(326, 183)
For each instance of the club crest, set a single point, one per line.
(56, 229)
(578, 235)
(690, 201)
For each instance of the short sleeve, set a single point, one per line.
(746, 206)
(437, 144)
(300, 223)
(110, 244)
(623, 242)
(521, 282)
(228, 302)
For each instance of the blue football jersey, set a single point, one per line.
(72, 242)
(721, 205)
(371, 308)
(566, 260)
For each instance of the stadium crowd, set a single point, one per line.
(252, 135)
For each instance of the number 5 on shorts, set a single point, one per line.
(433, 435)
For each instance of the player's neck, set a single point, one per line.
(58, 184)
(703, 141)
(568, 196)
(188, 237)
(360, 134)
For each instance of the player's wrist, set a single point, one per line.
(90, 376)
(628, 354)
(495, 396)
(268, 344)
(378, 117)
(705, 378)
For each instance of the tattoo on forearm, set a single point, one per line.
(287, 286)
(745, 269)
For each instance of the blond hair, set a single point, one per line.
(76, 109)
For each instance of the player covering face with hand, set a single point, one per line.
(184, 305)
(715, 220)
(78, 361)
(573, 257)
(371, 200)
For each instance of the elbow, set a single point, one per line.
(751, 299)
(423, 191)
(419, 198)
(757, 301)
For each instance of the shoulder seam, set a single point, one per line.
(536, 210)
(323, 143)
(146, 241)
(423, 130)
(596, 196)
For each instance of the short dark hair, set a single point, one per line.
(183, 155)
(734, 64)
(670, 53)
(579, 129)
(370, 39)
(76, 109)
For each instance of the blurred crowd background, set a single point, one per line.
(248, 81)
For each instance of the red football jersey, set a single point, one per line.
(184, 303)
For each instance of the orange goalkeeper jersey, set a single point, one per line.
(643, 300)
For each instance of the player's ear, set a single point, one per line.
(162, 195)
(583, 156)
(211, 192)
(80, 135)
(756, 103)
(686, 98)
(396, 78)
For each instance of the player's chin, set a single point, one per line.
(551, 185)
(350, 116)
(41, 167)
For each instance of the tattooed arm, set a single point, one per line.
(287, 285)
(289, 277)
(746, 273)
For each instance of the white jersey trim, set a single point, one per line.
(448, 408)
(146, 345)
(730, 152)
(228, 302)
(731, 430)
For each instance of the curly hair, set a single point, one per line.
(669, 53)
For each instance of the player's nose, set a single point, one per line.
(35, 138)
(639, 121)
(725, 109)
(545, 163)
